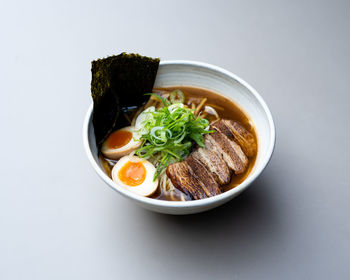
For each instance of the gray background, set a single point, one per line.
(58, 220)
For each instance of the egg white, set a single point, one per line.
(117, 153)
(147, 187)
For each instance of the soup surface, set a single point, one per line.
(226, 109)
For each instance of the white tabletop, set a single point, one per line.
(58, 220)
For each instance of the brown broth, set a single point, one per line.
(226, 109)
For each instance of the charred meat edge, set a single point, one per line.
(210, 186)
(230, 151)
(182, 178)
(243, 137)
(215, 164)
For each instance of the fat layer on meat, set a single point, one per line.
(181, 176)
(230, 151)
(222, 127)
(210, 186)
(243, 137)
(215, 164)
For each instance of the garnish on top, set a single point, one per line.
(169, 132)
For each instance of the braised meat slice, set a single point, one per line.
(182, 178)
(206, 170)
(215, 164)
(210, 186)
(222, 127)
(243, 137)
(230, 151)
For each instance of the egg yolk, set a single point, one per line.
(119, 139)
(132, 173)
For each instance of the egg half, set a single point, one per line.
(136, 175)
(120, 143)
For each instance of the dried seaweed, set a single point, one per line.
(119, 82)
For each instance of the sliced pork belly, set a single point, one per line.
(210, 186)
(230, 151)
(182, 178)
(215, 164)
(223, 128)
(206, 170)
(243, 137)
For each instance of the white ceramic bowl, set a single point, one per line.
(197, 74)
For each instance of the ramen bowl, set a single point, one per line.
(197, 74)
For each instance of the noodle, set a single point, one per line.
(149, 103)
(204, 115)
(199, 107)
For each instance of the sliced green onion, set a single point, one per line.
(177, 96)
(168, 133)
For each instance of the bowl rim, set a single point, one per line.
(193, 203)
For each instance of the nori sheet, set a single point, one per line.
(118, 82)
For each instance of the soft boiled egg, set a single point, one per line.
(136, 175)
(120, 143)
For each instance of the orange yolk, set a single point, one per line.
(132, 173)
(119, 139)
